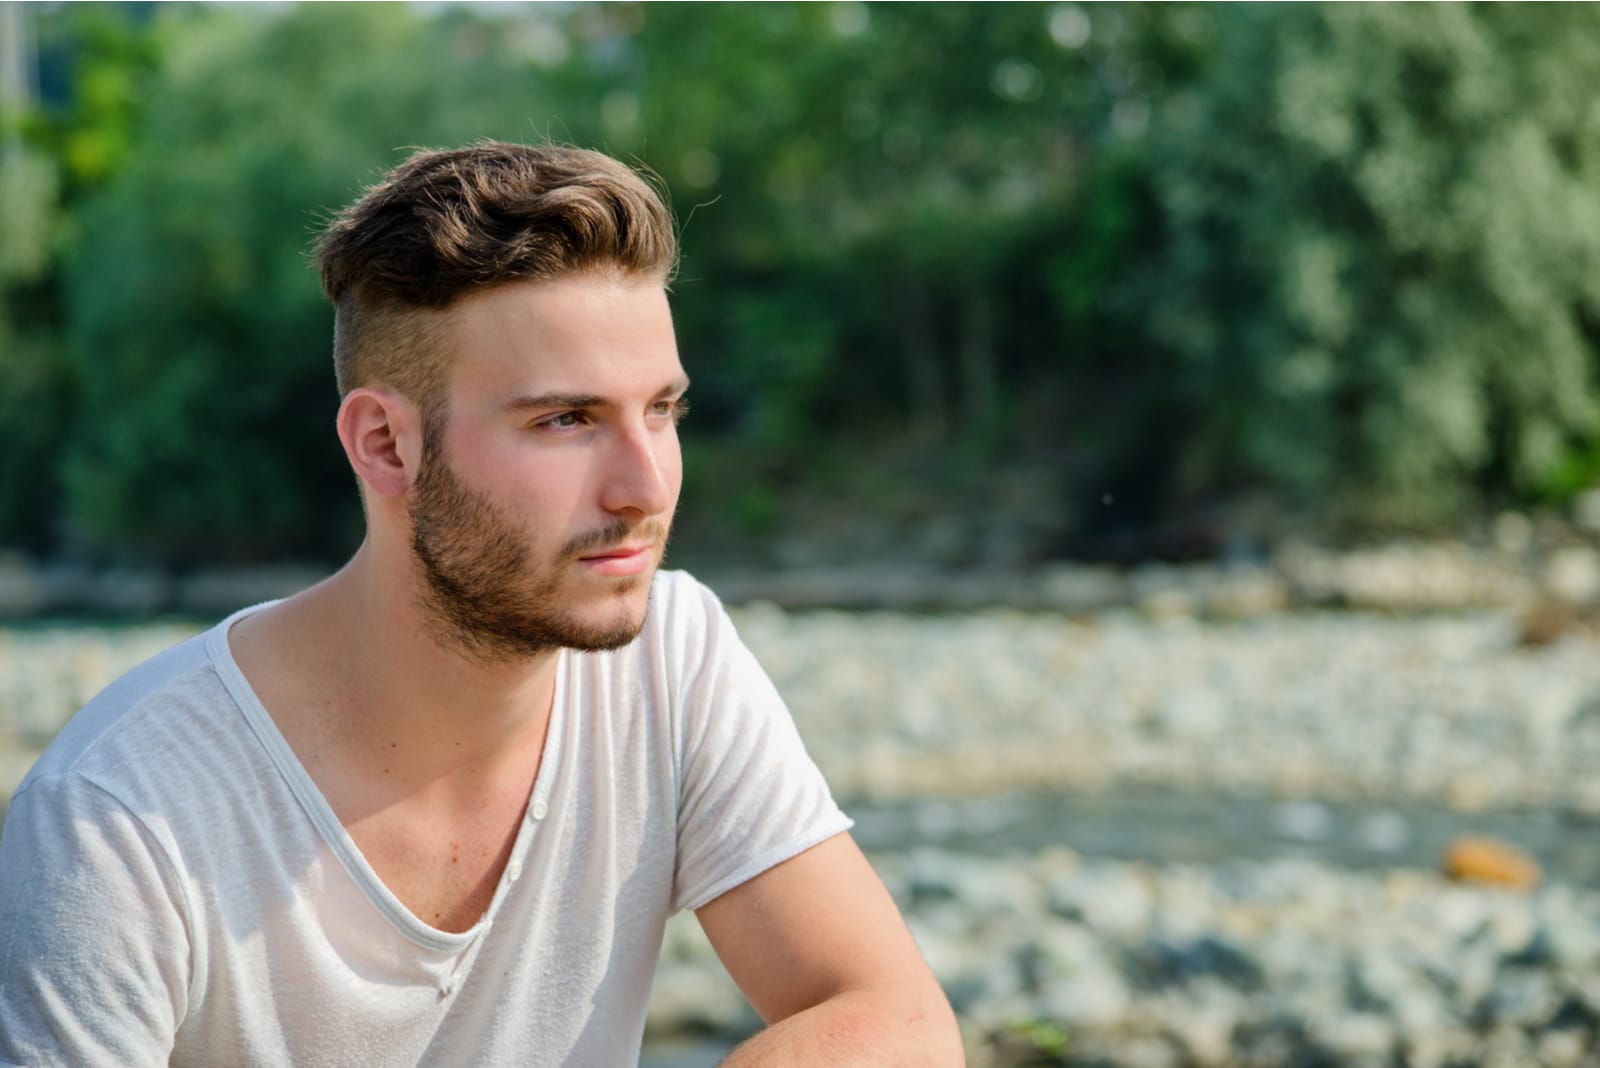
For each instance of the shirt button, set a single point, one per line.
(539, 810)
(514, 870)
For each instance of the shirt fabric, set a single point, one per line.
(174, 888)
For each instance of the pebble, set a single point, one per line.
(1487, 860)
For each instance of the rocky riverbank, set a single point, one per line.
(1450, 709)
(1057, 958)
(1085, 958)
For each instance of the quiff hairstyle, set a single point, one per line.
(447, 223)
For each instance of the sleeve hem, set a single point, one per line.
(771, 858)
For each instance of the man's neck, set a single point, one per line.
(361, 687)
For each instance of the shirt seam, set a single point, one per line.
(168, 862)
(126, 721)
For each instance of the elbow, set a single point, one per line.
(921, 1031)
(942, 1035)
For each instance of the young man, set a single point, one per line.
(437, 808)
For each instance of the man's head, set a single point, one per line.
(445, 224)
(511, 387)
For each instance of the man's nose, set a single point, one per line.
(639, 475)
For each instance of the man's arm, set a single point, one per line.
(819, 948)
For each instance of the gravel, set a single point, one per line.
(1287, 963)
(1336, 705)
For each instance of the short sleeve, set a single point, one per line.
(749, 795)
(94, 950)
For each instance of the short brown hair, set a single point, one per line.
(445, 223)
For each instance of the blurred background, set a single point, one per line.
(1152, 446)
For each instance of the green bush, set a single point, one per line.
(1379, 283)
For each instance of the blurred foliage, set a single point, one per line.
(953, 274)
(1382, 282)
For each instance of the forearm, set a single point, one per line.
(859, 1029)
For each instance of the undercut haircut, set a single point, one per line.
(447, 223)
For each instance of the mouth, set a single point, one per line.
(621, 560)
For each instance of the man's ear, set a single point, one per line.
(382, 436)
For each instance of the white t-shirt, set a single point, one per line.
(173, 887)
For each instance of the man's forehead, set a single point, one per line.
(595, 338)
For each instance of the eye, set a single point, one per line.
(674, 409)
(562, 421)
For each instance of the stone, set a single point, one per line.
(1586, 510)
(1513, 533)
(1385, 832)
(22, 591)
(1192, 714)
(1359, 1038)
(1115, 900)
(1520, 997)
(1572, 575)
(1305, 821)
(1091, 997)
(1475, 859)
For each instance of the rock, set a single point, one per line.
(1489, 860)
(1090, 997)
(1070, 588)
(221, 591)
(1547, 621)
(132, 593)
(1520, 997)
(687, 997)
(1572, 575)
(1564, 1049)
(1305, 821)
(1114, 899)
(1512, 533)
(1586, 510)
(1359, 1038)
(1246, 593)
(1385, 832)
(22, 591)
(1162, 962)
(1191, 714)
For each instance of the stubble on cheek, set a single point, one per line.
(479, 591)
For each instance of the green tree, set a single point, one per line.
(52, 155)
(1378, 284)
(905, 218)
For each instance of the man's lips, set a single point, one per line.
(621, 552)
(621, 561)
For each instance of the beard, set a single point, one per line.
(479, 592)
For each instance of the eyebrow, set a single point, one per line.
(582, 400)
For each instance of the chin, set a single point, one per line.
(616, 624)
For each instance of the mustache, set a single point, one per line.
(610, 537)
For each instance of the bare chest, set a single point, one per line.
(444, 867)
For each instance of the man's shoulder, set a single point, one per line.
(110, 730)
(679, 589)
(684, 613)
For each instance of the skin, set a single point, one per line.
(528, 514)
